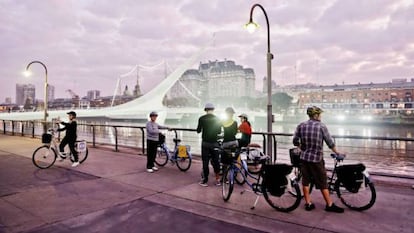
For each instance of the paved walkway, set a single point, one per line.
(112, 192)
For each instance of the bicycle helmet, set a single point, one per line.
(229, 110)
(311, 111)
(208, 106)
(153, 113)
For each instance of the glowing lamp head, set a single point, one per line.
(27, 73)
(251, 26)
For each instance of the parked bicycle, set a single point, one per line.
(45, 156)
(272, 180)
(181, 155)
(351, 182)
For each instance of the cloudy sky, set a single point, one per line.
(88, 44)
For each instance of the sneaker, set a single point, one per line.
(155, 168)
(62, 155)
(203, 183)
(218, 183)
(150, 170)
(75, 164)
(334, 208)
(309, 207)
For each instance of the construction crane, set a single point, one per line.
(75, 98)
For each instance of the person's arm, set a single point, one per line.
(296, 137)
(329, 140)
(199, 126)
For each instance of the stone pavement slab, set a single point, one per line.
(111, 190)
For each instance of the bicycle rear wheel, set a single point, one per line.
(44, 157)
(82, 155)
(161, 158)
(361, 200)
(228, 183)
(285, 202)
(183, 163)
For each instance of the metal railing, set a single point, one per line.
(367, 148)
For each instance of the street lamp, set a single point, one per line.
(251, 26)
(45, 93)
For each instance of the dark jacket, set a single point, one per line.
(210, 125)
(70, 128)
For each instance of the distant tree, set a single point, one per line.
(281, 101)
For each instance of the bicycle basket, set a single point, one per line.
(274, 178)
(46, 138)
(351, 176)
(294, 154)
(161, 138)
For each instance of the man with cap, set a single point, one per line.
(309, 138)
(153, 133)
(209, 125)
(70, 138)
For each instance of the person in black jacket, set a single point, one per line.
(209, 125)
(70, 138)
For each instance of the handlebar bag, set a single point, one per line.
(275, 178)
(351, 176)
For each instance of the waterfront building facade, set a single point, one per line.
(25, 93)
(214, 80)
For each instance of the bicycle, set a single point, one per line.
(272, 180)
(181, 154)
(351, 182)
(45, 156)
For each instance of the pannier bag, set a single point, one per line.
(274, 179)
(295, 157)
(351, 176)
(46, 138)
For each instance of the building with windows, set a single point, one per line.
(213, 80)
(25, 93)
(93, 94)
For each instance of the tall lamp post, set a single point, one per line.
(251, 27)
(45, 94)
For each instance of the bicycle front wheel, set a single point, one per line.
(82, 155)
(285, 201)
(161, 158)
(361, 200)
(44, 157)
(183, 163)
(228, 183)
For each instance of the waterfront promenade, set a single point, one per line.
(112, 192)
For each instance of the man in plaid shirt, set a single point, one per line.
(309, 138)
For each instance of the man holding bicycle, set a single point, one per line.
(309, 137)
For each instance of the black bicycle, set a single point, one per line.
(351, 182)
(272, 181)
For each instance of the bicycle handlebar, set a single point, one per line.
(338, 157)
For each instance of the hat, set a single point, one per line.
(243, 115)
(71, 113)
(153, 113)
(229, 110)
(208, 106)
